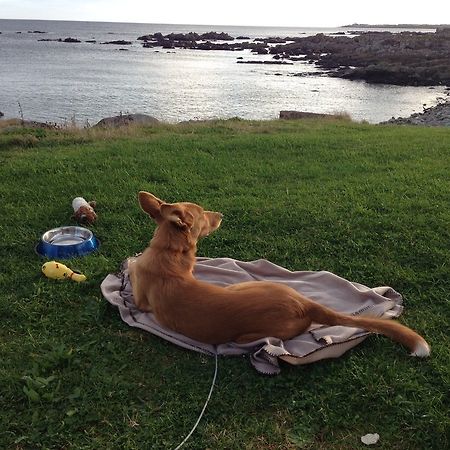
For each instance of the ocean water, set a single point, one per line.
(84, 82)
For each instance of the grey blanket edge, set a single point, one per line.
(319, 342)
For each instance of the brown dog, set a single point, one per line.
(163, 283)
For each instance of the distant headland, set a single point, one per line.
(423, 26)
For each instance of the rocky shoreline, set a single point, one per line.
(408, 58)
(404, 58)
(435, 116)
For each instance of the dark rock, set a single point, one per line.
(213, 36)
(147, 37)
(119, 42)
(1, 114)
(70, 40)
(187, 37)
(37, 32)
(406, 58)
(289, 115)
(309, 74)
(127, 119)
(443, 31)
(147, 44)
(266, 62)
(91, 41)
(242, 37)
(216, 46)
(438, 115)
(167, 44)
(183, 37)
(260, 51)
(271, 40)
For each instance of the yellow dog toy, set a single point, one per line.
(57, 271)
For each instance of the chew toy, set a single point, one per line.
(57, 271)
(83, 210)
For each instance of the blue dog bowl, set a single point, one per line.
(67, 242)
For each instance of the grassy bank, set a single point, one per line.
(370, 203)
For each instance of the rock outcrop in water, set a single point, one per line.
(69, 40)
(406, 58)
(119, 42)
(187, 37)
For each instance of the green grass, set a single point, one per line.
(370, 203)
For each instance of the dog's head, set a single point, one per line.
(187, 217)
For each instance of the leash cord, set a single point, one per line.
(203, 410)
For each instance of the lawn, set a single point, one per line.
(369, 203)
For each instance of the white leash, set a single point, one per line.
(203, 410)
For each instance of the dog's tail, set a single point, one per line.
(392, 329)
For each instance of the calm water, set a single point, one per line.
(60, 82)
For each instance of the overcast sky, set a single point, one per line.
(295, 13)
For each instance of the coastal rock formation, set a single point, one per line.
(406, 58)
(438, 115)
(127, 119)
(187, 37)
(119, 42)
(265, 62)
(403, 58)
(1, 114)
(71, 40)
(213, 36)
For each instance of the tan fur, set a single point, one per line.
(163, 283)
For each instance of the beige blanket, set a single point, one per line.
(319, 342)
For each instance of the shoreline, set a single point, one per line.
(433, 116)
(375, 54)
(381, 58)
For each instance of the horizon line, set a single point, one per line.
(383, 25)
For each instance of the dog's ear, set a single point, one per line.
(214, 219)
(178, 215)
(150, 204)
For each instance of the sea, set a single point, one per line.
(84, 82)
